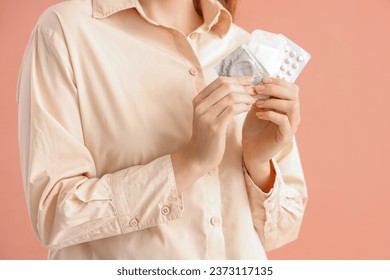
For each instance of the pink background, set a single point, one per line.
(344, 137)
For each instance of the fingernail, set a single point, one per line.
(259, 114)
(267, 80)
(260, 87)
(259, 103)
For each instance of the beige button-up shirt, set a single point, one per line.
(105, 96)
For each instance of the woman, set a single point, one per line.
(132, 147)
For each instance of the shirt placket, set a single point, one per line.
(215, 242)
(187, 49)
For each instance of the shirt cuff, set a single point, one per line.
(147, 197)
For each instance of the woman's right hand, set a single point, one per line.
(214, 108)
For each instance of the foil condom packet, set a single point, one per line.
(265, 54)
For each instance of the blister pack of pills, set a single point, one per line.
(265, 54)
(279, 55)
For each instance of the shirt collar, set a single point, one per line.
(215, 16)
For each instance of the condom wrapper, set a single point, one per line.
(265, 54)
(241, 62)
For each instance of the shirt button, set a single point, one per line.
(214, 221)
(193, 36)
(133, 222)
(193, 71)
(165, 210)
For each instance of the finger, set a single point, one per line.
(229, 112)
(277, 118)
(276, 91)
(283, 106)
(280, 82)
(229, 100)
(244, 81)
(226, 89)
(293, 114)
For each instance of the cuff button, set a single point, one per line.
(165, 210)
(133, 222)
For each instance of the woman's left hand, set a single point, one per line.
(270, 124)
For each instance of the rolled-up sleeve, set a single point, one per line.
(67, 202)
(277, 215)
